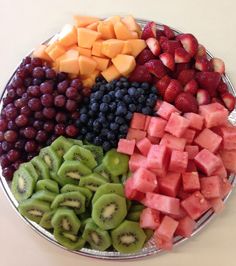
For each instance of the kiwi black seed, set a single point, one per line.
(50, 157)
(92, 181)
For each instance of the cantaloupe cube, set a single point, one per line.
(40, 53)
(56, 52)
(110, 73)
(122, 32)
(127, 48)
(70, 65)
(131, 24)
(93, 26)
(97, 48)
(84, 51)
(86, 65)
(112, 47)
(134, 34)
(50, 46)
(83, 21)
(68, 35)
(125, 64)
(114, 19)
(87, 37)
(102, 63)
(137, 46)
(90, 79)
(106, 29)
(88, 82)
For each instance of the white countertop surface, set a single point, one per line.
(24, 24)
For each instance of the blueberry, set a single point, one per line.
(123, 129)
(150, 102)
(106, 146)
(140, 91)
(83, 130)
(141, 99)
(104, 132)
(83, 110)
(121, 110)
(111, 136)
(97, 141)
(108, 86)
(125, 84)
(105, 124)
(98, 95)
(114, 126)
(80, 137)
(111, 94)
(106, 98)
(90, 123)
(113, 143)
(104, 107)
(153, 89)
(103, 88)
(123, 79)
(110, 117)
(131, 91)
(139, 107)
(95, 107)
(119, 83)
(145, 85)
(127, 99)
(92, 113)
(121, 136)
(147, 110)
(119, 120)
(86, 100)
(128, 116)
(102, 119)
(99, 78)
(96, 124)
(84, 118)
(132, 107)
(78, 123)
(135, 84)
(119, 94)
(89, 136)
(112, 106)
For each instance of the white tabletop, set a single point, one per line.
(24, 24)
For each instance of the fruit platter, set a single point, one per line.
(117, 137)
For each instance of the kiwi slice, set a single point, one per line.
(46, 221)
(115, 162)
(65, 219)
(128, 237)
(47, 184)
(50, 157)
(69, 240)
(78, 153)
(22, 185)
(133, 216)
(85, 191)
(100, 169)
(44, 195)
(33, 209)
(136, 207)
(128, 204)
(31, 169)
(74, 200)
(97, 152)
(109, 211)
(92, 181)
(149, 233)
(73, 170)
(62, 180)
(97, 238)
(40, 167)
(108, 188)
(61, 145)
(76, 141)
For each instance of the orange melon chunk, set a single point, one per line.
(110, 73)
(106, 29)
(114, 19)
(69, 65)
(84, 51)
(56, 52)
(97, 48)
(87, 37)
(131, 24)
(137, 46)
(112, 47)
(122, 32)
(93, 26)
(40, 53)
(68, 35)
(127, 48)
(102, 63)
(83, 21)
(125, 64)
(86, 65)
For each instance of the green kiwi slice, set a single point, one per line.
(65, 219)
(109, 211)
(128, 237)
(23, 184)
(133, 216)
(47, 184)
(31, 169)
(76, 141)
(44, 195)
(92, 181)
(74, 200)
(149, 233)
(40, 167)
(61, 145)
(108, 188)
(97, 152)
(62, 180)
(97, 238)
(46, 220)
(136, 207)
(33, 209)
(50, 157)
(115, 162)
(100, 169)
(78, 153)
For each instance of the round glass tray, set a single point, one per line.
(150, 248)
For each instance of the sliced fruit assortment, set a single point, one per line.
(77, 192)
(179, 166)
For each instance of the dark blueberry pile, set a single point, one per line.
(105, 115)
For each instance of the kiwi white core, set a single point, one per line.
(21, 184)
(65, 224)
(71, 203)
(47, 160)
(127, 239)
(35, 213)
(70, 236)
(108, 211)
(74, 175)
(95, 237)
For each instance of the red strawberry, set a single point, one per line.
(168, 60)
(158, 105)
(203, 97)
(159, 33)
(174, 88)
(154, 46)
(162, 84)
(181, 56)
(170, 46)
(201, 51)
(217, 100)
(186, 75)
(191, 87)
(189, 43)
(218, 65)
(140, 74)
(180, 67)
(156, 68)
(144, 57)
(222, 87)
(168, 32)
(162, 39)
(203, 64)
(208, 81)
(149, 31)
(229, 100)
(186, 103)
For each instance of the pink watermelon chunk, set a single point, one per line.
(177, 125)
(160, 172)
(144, 146)
(132, 193)
(229, 137)
(136, 134)
(138, 121)
(149, 219)
(178, 161)
(192, 151)
(229, 159)
(217, 205)
(156, 127)
(144, 180)
(189, 135)
(169, 185)
(211, 187)
(126, 146)
(148, 118)
(196, 121)
(153, 140)
(185, 227)
(135, 161)
(157, 156)
(221, 172)
(226, 187)
(190, 181)
(166, 109)
(191, 166)
(173, 142)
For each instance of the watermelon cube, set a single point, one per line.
(153, 140)
(178, 161)
(148, 118)
(217, 204)
(126, 146)
(144, 180)
(182, 213)
(136, 134)
(190, 181)
(229, 159)
(156, 127)
(207, 162)
(214, 114)
(183, 194)
(162, 203)
(132, 193)
(158, 104)
(177, 125)
(149, 219)
(192, 151)
(160, 172)
(196, 121)
(189, 135)
(221, 172)
(135, 161)
(209, 140)
(185, 227)
(138, 121)
(226, 187)
(157, 157)
(144, 146)
(211, 187)
(166, 109)
(195, 205)
(191, 166)
(169, 185)
(229, 137)
(173, 142)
